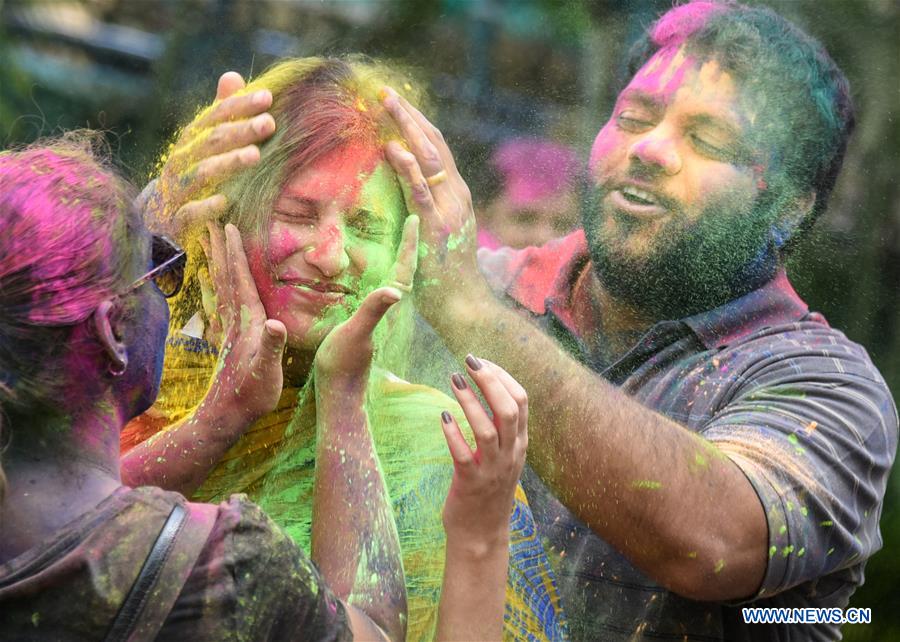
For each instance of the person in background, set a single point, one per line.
(537, 193)
(83, 320)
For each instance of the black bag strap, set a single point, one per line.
(164, 573)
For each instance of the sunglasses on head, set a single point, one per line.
(167, 272)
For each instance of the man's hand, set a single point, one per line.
(248, 379)
(219, 143)
(436, 192)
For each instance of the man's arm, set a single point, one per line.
(621, 468)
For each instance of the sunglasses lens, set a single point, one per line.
(170, 278)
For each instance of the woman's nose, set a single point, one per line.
(329, 251)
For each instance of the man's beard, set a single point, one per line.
(726, 253)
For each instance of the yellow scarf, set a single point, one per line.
(274, 463)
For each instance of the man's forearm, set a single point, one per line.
(668, 499)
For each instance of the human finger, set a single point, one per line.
(459, 449)
(433, 134)
(208, 297)
(359, 328)
(197, 213)
(412, 182)
(186, 180)
(515, 389)
(220, 275)
(408, 254)
(437, 174)
(486, 435)
(220, 166)
(246, 296)
(229, 83)
(419, 143)
(224, 137)
(502, 404)
(271, 348)
(240, 105)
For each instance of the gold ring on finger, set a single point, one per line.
(436, 179)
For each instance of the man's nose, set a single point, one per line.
(657, 149)
(329, 252)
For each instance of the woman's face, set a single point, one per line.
(332, 239)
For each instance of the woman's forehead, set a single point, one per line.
(338, 175)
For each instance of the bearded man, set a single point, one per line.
(703, 441)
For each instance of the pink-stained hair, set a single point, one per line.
(535, 168)
(67, 241)
(678, 24)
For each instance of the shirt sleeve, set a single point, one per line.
(815, 434)
(279, 593)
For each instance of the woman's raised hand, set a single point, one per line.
(480, 500)
(248, 379)
(346, 353)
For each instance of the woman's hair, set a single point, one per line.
(67, 230)
(319, 105)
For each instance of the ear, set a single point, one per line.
(109, 332)
(792, 216)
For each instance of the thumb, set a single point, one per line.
(362, 324)
(271, 348)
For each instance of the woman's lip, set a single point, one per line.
(647, 212)
(316, 296)
(318, 286)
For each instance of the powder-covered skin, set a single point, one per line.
(319, 237)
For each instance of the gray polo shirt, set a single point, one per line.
(795, 404)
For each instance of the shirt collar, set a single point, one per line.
(775, 303)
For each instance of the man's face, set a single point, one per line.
(672, 221)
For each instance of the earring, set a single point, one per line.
(118, 368)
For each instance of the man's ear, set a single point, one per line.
(792, 216)
(109, 332)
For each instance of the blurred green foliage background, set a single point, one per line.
(495, 68)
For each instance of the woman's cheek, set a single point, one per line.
(374, 263)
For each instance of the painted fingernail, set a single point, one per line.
(445, 417)
(458, 382)
(472, 362)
